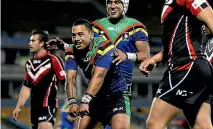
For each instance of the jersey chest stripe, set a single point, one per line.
(41, 72)
(102, 45)
(189, 44)
(105, 50)
(173, 36)
(34, 69)
(102, 28)
(127, 29)
(45, 102)
(130, 33)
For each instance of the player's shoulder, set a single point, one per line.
(103, 46)
(134, 22)
(29, 60)
(69, 52)
(55, 57)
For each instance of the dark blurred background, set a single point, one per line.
(20, 17)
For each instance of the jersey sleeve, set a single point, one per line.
(27, 81)
(58, 67)
(70, 62)
(194, 6)
(103, 56)
(140, 32)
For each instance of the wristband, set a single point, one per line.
(87, 98)
(132, 56)
(71, 101)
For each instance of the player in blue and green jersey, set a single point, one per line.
(106, 99)
(128, 35)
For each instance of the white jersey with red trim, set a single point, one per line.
(42, 76)
(181, 30)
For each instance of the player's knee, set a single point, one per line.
(203, 125)
(153, 124)
(45, 125)
(150, 124)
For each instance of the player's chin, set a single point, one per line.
(114, 16)
(31, 50)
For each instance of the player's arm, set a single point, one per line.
(143, 49)
(97, 80)
(149, 64)
(158, 57)
(70, 87)
(71, 74)
(102, 64)
(206, 16)
(23, 96)
(141, 43)
(201, 9)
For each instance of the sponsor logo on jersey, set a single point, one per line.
(125, 36)
(114, 28)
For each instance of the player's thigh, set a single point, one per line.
(45, 125)
(120, 121)
(161, 113)
(198, 116)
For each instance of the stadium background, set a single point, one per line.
(19, 17)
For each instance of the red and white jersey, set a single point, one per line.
(42, 76)
(181, 30)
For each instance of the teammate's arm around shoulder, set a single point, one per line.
(23, 96)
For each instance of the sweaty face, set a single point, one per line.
(114, 8)
(81, 37)
(35, 44)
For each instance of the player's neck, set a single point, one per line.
(41, 53)
(91, 44)
(117, 20)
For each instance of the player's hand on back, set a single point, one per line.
(56, 43)
(119, 56)
(73, 110)
(16, 113)
(147, 66)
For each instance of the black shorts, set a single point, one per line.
(186, 87)
(44, 114)
(102, 109)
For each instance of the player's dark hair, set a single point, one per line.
(43, 36)
(84, 22)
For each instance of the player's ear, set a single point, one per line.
(91, 35)
(42, 44)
